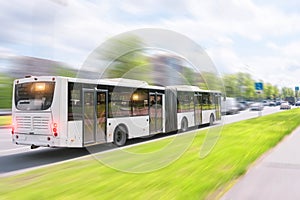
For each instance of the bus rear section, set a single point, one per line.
(192, 107)
(32, 115)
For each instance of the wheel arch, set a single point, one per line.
(184, 118)
(124, 126)
(212, 118)
(120, 135)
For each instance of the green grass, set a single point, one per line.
(189, 177)
(5, 120)
(6, 85)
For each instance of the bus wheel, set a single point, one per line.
(184, 124)
(120, 136)
(211, 120)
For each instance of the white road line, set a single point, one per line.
(6, 140)
(8, 150)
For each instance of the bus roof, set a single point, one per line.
(191, 88)
(123, 82)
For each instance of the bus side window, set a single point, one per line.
(119, 103)
(140, 103)
(74, 102)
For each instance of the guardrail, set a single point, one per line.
(5, 112)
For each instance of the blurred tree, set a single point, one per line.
(287, 92)
(249, 88)
(241, 85)
(127, 59)
(230, 83)
(268, 91)
(63, 71)
(6, 85)
(189, 75)
(245, 86)
(24, 65)
(275, 92)
(211, 81)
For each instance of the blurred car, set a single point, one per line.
(290, 100)
(241, 106)
(285, 105)
(297, 103)
(245, 104)
(229, 106)
(265, 103)
(257, 106)
(272, 103)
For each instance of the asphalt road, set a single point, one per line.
(17, 158)
(246, 114)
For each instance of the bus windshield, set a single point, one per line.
(34, 96)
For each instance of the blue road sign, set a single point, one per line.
(297, 88)
(259, 86)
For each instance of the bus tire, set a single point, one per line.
(184, 125)
(120, 136)
(211, 119)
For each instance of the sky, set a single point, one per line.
(260, 37)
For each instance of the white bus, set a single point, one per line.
(53, 111)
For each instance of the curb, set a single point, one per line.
(6, 126)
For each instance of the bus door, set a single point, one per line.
(101, 114)
(198, 108)
(218, 106)
(94, 115)
(156, 112)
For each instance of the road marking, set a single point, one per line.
(7, 140)
(8, 150)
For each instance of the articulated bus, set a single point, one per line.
(53, 111)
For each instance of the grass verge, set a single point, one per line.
(5, 120)
(189, 177)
